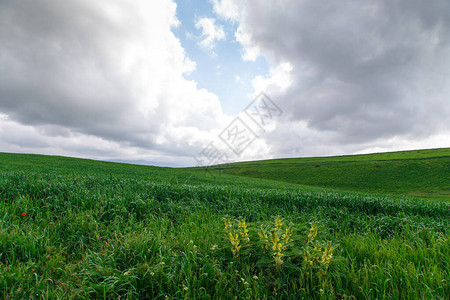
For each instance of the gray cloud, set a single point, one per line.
(112, 70)
(55, 69)
(362, 71)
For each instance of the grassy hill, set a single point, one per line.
(83, 229)
(423, 173)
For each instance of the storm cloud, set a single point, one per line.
(361, 72)
(110, 70)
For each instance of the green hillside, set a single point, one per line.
(423, 173)
(82, 229)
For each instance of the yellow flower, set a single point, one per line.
(278, 223)
(235, 243)
(244, 230)
(264, 238)
(327, 255)
(278, 260)
(287, 235)
(227, 223)
(312, 233)
(274, 239)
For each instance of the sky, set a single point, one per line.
(190, 82)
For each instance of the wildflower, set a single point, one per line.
(312, 233)
(236, 235)
(278, 223)
(214, 247)
(244, 231)
(277, 248)
(227, 223)
(24, 214)
(274, 239)
(287, 235)
(278, 260)
(235, 243)
(255, 277)
(327, 255)
(309, 259)
(264, 238)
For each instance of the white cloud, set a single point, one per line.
(109, 74)
(226, 9)
(251, 50)
(360, 76)
(211, 33)
(278, 81)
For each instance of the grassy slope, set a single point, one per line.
(106, 230)
(34, 163)
(423, 173)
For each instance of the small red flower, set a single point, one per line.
(24, 214)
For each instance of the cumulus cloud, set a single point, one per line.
(279, 77)
(100, 73)
(362, 73)
(227, 9)
(211, 33)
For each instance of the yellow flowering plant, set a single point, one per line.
(274, 242)
(317, 257)
(236, 235)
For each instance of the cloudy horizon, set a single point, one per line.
(156, 82)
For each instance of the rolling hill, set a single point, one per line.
(421, 173)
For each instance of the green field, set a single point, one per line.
(83, 229)
(423, 173)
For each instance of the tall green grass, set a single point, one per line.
(422, 173)
(103, 230)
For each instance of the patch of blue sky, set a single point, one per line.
(222, 70)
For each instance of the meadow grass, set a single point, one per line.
(81, 229)
(422, 173)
